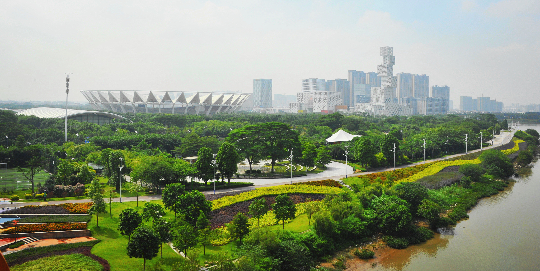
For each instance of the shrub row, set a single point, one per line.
(42, 250)
(328, 182)
(55, 219)
(45, 227)
(273, 190)
(514, 149)
(65, 208)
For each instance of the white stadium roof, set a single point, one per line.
(159, 101)
(80, 115)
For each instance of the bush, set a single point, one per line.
(395, 242)
(14, 198)
(28, 196)
(474, 172)
(413, 193)
(442, 222)
(364, 253)
(496, 164)
(393, 215)
(417, 235)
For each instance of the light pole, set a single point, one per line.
(466, 139)
(214, 167)
(492, 137)
(67, 92)
(346, 159)
(481, 141)
(120, 177)
(424, 150)
(394, 150)
(291, 156)
(7, 139)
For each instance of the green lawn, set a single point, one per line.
(11, 179)
(75, 262)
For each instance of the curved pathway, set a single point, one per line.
(334, 171)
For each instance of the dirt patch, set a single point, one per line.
(225, 215)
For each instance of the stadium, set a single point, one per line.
(172, 102)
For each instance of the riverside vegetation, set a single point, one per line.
(314, 227)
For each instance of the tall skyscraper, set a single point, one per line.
(440, 92)
(356, 79)
(262, 93)
(373, 79)
(341, 86)
(420, 86)
(404, 87)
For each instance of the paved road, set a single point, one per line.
(335, 171)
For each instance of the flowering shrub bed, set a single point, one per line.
(273, 190)
(396, 174)
(435, 167)
(515, 148)
(77, 208)
(328, 182)
(45, 227)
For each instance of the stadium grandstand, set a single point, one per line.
(172, 102)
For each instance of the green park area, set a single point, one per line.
(285, 227)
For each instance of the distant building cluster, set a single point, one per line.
(518, 108)
(480, 104)
(377, 93)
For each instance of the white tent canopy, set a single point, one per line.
(341, 136)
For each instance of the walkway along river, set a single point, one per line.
(502, 233)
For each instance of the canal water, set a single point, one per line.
(502, 233)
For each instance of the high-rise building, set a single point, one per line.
(282, 100)
(313, 84)
(356, 78)
(404, 87)
(341, 86)
(373, 79)
(440, 92)
(262, 93)
(420, 86)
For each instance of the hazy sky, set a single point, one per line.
(474, 46)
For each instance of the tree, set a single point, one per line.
(162, 228)
(387, 147)
(323, 156)
(277, 140)
(311, 208)
(205, 169)
(171, 194)
(239, 226)
(393, 215)
(247, 141)
(429, 210)
(309, 154)
(152, 211)
(413, 193)
(473, 171)
(66, 171)
(34, 164)
(153, 170)
(227, 160)
(129, 221)
(258, 208)
(184, 235)
(116, 160)
(136, 188)
(191, 204)
(144, 244)
(99, 205)
(364, 151)
(284, 208)
(496, 163)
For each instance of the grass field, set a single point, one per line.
(12, 179)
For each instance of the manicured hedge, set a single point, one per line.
(42, 250)
(55, 219)
(45, 227)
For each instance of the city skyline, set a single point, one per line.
(477, 48)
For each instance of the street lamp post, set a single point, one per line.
(466, 140)
(346, 159)
(120, 177)
(67, 92)
(394, 150)
(291, 157)
(424, 150)
(481, 141)
(214, 167)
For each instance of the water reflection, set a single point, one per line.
(399, 258)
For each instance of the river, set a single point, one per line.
(502, 233)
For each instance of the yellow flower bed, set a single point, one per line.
(515, 148)
(273, 190)
(436, 167)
